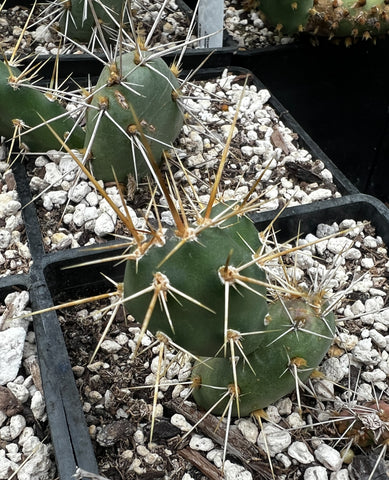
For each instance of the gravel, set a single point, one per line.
(25, 448)
(15, 255)
(73, 214)
(301, 444)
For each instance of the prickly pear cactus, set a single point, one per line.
(340, 18)
(295, 340)
(287, 15)
(133, 99)
(78, 21)
(22, 108)
(206, 293)
(195, 318)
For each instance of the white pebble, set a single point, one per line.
(197, 442)
(364, 353)
(300, 452)
(104, 225)
(332, 370)
(248, 429)
(277, 439)
(110, 346)
(315, 473)
(329, 457)
(38, 406)
(235, 472)
(320, 194)
(377, 338)
(180, 422)
(20, 391)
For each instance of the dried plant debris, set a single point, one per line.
(72, 212)
(334, 425)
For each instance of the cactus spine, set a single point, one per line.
(341, 18)
(23, 108)
(135, 102)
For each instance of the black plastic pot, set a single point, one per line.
(339, 96)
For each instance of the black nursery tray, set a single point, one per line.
(51, 280)
(73, 283)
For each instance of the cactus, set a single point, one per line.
(211, 290)
(194, 269)
(78, 21)
(23, 108)
(340, 18)
(295, 340)
(287, 15)
(134, 97)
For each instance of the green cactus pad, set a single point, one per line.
(288, 15)
(19, 103)
(149, 91)
(194, 270)
(77, 21)
(303, 344)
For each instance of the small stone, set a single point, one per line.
(11, 353)
(346, 341)
(320, 194)
(20, 391)
(197, 442)
(38, 466)
(333, 370)
(329, 457)
(295, 420)
(377, 338)
(79, 191)
(5, 238)
(6, 466)
(38, 406)
(315, 473)
(12, 208)
(14, 429)
(300, 452)
(104, 225)
(180, 422)
(52, 175)
(235, 472)
(364, 353)
(274, 438)
(110, 346)
(249, 430)
(374, 376)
